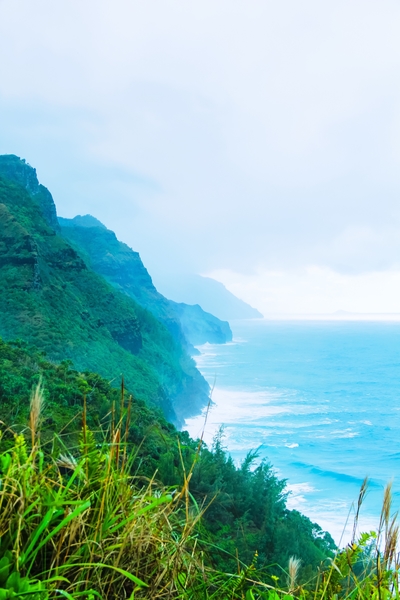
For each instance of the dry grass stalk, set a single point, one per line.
(36, 409)
(293, 571)
(361, 497)
(384, 521)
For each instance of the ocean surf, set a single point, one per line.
(320, 400)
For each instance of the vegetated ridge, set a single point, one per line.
(51, 298)
(233, 514)
(124, 269)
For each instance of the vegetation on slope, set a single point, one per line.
(123, 268)
(80, 517)
(246, 509)
(50, 298)
(99, 495)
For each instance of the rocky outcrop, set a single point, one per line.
(19, 171)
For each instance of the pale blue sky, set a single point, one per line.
(258, 141)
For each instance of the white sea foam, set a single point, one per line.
(300, 488)
(335, 516)
(312, 407)
(344, 433)
(236, 408)
(331, 518)
(296, 494)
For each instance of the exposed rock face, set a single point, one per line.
(18, 170)
(123, 268)
(46, 202)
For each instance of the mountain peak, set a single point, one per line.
(18, 171)
(81, 221)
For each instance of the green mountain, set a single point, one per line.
(50, 297)
(246, 505)
(123, 268)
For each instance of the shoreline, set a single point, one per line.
(250, 419)
(335, 515)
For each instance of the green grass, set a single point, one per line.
(80, 522)
(81, 525)
(246, 504)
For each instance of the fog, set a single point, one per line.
(255, 142)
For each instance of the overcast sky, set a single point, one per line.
(255, 141)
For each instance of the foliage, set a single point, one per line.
(133, 508)
(51, 299)
(79, 523)
(123, 268)
(248, 512)
(23, 366)
(246, 509)
(80, 526)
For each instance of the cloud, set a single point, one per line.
(210, 135)
(316, 291)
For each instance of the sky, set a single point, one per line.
(256, 142)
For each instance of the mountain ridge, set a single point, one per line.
(50, 298)
(123, 268)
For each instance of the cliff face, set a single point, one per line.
(123, 268)
(18, 170)
(51, 298)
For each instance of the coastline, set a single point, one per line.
(335, 516)
(299, 437)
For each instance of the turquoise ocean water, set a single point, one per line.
(320, 400)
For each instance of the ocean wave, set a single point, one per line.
(343, 477)
(300, 488)
(344, 433)
(322, 388)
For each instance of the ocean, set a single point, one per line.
(320, 400)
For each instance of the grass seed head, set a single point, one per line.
(293, 571)
(36, 410)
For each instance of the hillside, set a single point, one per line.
(49, 297)
(212, 295)
(124, 269)
(246, 505)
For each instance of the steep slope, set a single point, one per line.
(199, 326)
(49, 297)
(123, 268)
(246, 511)
(212, 295)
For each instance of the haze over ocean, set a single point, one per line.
(321, 401)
